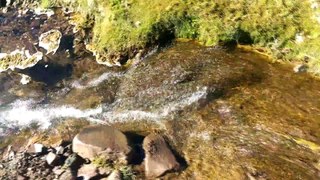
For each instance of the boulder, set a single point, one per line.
(97, 140)
(159, 159)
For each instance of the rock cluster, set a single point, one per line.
(97, 152)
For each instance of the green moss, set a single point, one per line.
(47, 3)
(127, 173)
(125, 25)
(102, 162)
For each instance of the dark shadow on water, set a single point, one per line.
(49, 73)
(183, 163)
(3, 3)
(240, 37)
(66, 43)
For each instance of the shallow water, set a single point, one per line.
(229, 114)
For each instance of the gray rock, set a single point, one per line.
(52, 158)
(96, 140)
(36, 148)
(159, 158)
(88, 171)
(60, 150)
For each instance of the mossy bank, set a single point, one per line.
(287, 29)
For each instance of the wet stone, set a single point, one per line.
(96, 140)
(159, 158)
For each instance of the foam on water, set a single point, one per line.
(95, 82)
(22, 113)
(156, 116)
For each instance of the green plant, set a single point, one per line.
(127, 173)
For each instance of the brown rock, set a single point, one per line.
(159, 158)
(96, 140)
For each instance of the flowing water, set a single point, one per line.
(228, 114)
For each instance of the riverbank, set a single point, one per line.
(123, 29)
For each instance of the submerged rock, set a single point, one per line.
(50, 40)
(95, 140)
(159, 158)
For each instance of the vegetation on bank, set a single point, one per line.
(289, 29)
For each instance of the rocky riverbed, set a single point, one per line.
(97, 152)
(211, 112)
